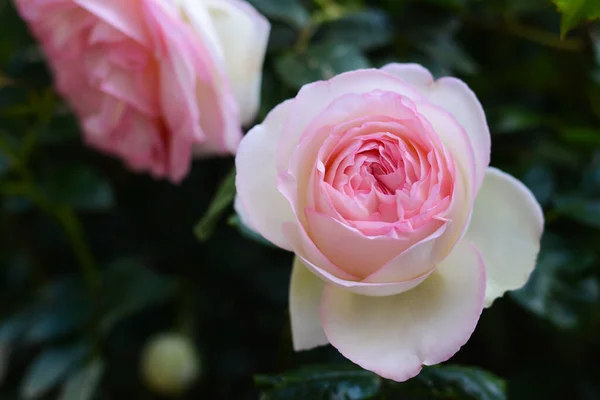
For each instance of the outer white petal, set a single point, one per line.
(243, 36)
(506, 226)
(305, 299)
(265, 208)
(394, 336)
(454, 96)
(196, 14)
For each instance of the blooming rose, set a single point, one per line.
(378, 181)
(155, 81)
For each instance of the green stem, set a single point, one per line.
(72, 227)
(64, 214)
(185, 315)
(534, 34)
(543, 37)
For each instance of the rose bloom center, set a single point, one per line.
(386, 176)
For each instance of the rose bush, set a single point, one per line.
(155, 82)
(378, 181)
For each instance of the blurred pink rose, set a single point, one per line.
(378, 180)
(155, 82)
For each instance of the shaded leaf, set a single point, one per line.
(364, 29)
(128, 287)
(560, 288)
(320, 383)
(10, 331)
(576, 11)
(522, 7)
(63, 308)
(222, 200)
(451, 382)
(62, 128)
(579, 208)
(514, 120)
(436, 39)
(290, 11)
(50, 367)
(453, 4)
(83, 383)
(540, 180)
(584, 136)
(81, 187)
(320, 62)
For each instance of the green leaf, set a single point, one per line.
(450, 382)
(447, 53)
(10, 331)
(62, 129)
(514, 120)
(83, 383)
(320, 383)
(436, 39)
(128, 287)
(540, 180)
(50, 367)
(365, 30)
(579, 208)
(576, 11)
(235, 220)
(523, 7)
(320, 62)
(63, 307)
(561, 288)
(584, 136)
(81, 187)
(452, 4)
(222, 200)
(290, 11)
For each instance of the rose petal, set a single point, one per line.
(256, 178)
(313, 98)
(418, 260)
(454, 96)
(123, 15)
(314, 260)
(506, 227)
(243, 35)
(394, 336)
(305, 299)
(346, 246)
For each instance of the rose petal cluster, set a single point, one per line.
(155, 82)
(379, 182)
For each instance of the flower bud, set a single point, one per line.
(170, 364)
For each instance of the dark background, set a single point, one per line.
(65, 310)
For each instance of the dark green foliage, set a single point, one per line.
(95, 259)
(330, 382)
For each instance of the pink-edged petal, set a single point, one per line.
(360, 255)
(305, 300)
(123, 15)
(256, 178)
(313, 98)
(455, 140)
(454, 96)
(417, 261)
(506, 227)
(394, 336)
(313, 259)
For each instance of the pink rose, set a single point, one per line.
(155, 82)
(378, 181)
